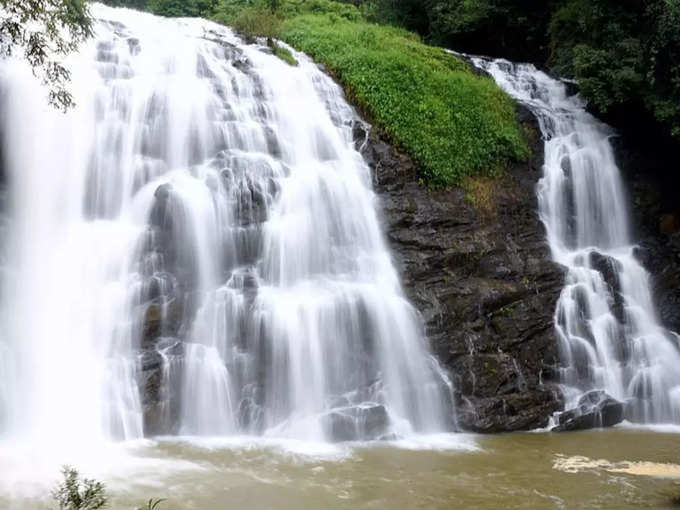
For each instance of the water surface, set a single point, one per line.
(596, 469)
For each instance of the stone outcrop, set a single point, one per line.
(595, 409)
(476, 264)
(649, 172)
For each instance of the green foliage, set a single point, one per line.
(284, 54)
(228, 9)
(452, 122)
(625, 55)
(152, 504)
(43, 32)
(74, 493)
(252, 21)
(133, 4)
(482, 26)
(178, 8)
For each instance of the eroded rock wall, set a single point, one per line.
(476, 264)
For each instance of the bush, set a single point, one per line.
(76, 494)
(283, 53)
(253, 22)
(174, 8)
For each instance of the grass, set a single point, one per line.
(283, 53)
(481, 191)
(452, 122)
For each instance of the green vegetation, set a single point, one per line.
(625, 54)
(256, 21)
(180, 7)
(74, 493)
(284, 54)
(44, 32)
(452, 122)
(152, 504)
(170, 8)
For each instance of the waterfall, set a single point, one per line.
(610, 336)
(195, 249)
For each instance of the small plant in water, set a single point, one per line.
(74, 493)
(152, 504)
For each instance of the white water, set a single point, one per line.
(195, 250)
(610, 335)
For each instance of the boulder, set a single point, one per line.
(595, 409)
(610, 268)
(354, 423)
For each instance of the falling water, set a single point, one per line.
(194, 249)
(609, 332)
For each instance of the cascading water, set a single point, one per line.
(195, 250)
(610, 336)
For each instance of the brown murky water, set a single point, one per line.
(615, 469)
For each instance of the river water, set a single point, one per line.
(622, 468)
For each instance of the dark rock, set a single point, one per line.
(357, 423)
(482, 278)
(134, 46)
(610, 268)
(652, 186)
(595, 409)
(517, 411)
(571, 86)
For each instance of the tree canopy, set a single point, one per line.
(44, 32)
(625, 54)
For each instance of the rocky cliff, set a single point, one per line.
(649, 171)
(475, 262)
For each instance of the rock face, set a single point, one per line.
(595, 409)
(476, 264)
(357, 422)
(649, 172)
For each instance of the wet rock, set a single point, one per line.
(152, 323)
(134, 45)
(571, 86)
(160, 399)
(356, 423)
(654, 209)
(610, 268)
(483, 281)
(150, 382)
(517, 411)
(595, 409)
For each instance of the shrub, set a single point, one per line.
(74, 493)
(283, 53)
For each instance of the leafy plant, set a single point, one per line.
(283, 53)
(74, 493)
(152, 504)
(43, 32)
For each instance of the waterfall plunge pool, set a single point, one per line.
(619, 468)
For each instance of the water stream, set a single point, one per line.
(194, 250)
(610, 335)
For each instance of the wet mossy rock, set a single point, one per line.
(475, 262)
